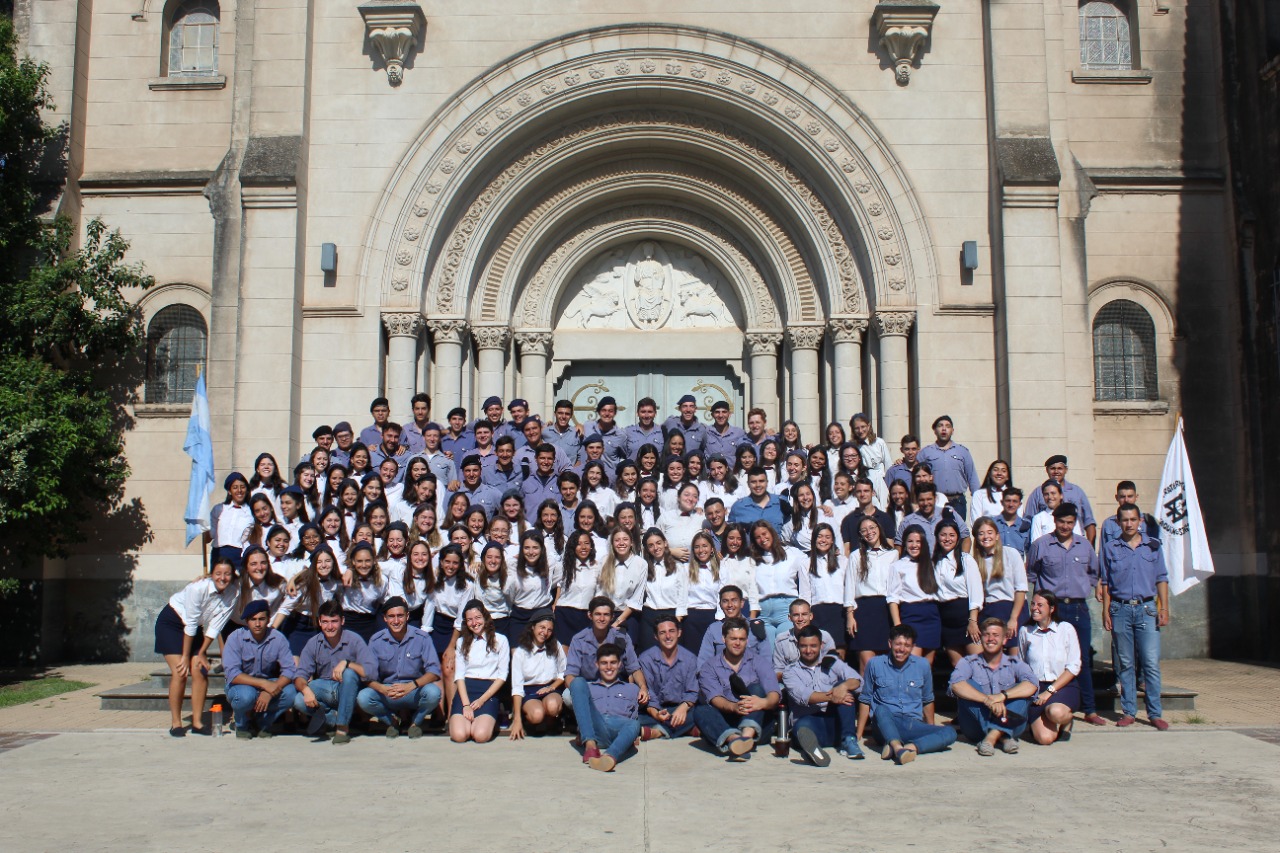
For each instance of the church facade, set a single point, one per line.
(1013, 213)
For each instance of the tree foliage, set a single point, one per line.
(70, 340)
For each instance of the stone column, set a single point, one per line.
(491, 360)
(804, 341)
(894, 327)
(534, 347)
(447, 364)
(403, 329)
(764, 372)
(846, 336)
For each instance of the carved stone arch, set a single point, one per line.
(450, 278)
(721, 199)
(821, 133)
(543, 289)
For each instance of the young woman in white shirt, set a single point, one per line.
(446, 601)
(576, 583)
(204, 606)
(294, 513)
(415, 583)
(870, 576)
(424, 528)
(319, 582)
(666, 587)
(959, 591)
(537, 676)
(777, 571)
(266, 480)
(674, 472)
(490, 587)
(1004, 580)
(625, 477)
(483, 663)
(721, 483)
(913, 599)
(806, 514)
(550, 527)
(648, 507)
(528, 583)
(362, 601)
(258, 582)
(512, 509)
(986, 501)
(737, 568)
(230, 519)
(335, 535)
(622, 577)
(824, 585)
(1052, 650)
(595, 488)
(704, 590)
(680, 522)
(875, 456)
(350, 503)
(587, 517)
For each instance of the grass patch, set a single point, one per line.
(21, 692)
(1195, 719)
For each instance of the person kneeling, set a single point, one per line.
(404, 681)
(898, 690)
(537, 675)
(736, 688)
(259, 670)
(330, 669)
(483, 663)
(993, 692)
(611, 718)
(821, 692)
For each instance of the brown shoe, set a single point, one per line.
(603, 763)
(1160, 724)
(651, 733)
(1094, 720)
(740, 745)
(1126, 720)
(590, 753)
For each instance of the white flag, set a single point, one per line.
(1177, 510)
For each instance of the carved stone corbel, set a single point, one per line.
(903, 27)
(394, 28)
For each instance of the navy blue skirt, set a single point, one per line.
(924, 617)
(1002, 610)
(229, 552)
(873, 620)
(476, 688)
(694, 627)
(955, 622)
(516, 623)
(363, 624)
(441, 633)
(569, 621)
(830, 618)
(170, 633)
(531, 692)
(1069, 695)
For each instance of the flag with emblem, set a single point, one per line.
(1177, 509)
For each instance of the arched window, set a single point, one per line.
(176, 342)
(193, 39)
(1124, 353)
(1106, 41)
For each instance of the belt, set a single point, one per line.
(1065, 600)
(954, 495)
(777, 595)
(1134, 601)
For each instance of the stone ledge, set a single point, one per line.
(187, 83)
(1130, 407)
(162, 410)
(1136, 77)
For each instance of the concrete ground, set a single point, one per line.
(77, 778)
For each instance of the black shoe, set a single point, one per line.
(316, 724)
(807, 742)
(178, 731)
(202, 731)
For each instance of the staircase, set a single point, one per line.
(153, 694)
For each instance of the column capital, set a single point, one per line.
(764, 342)
(534, 341)
(894, 323)
(403, 324)
(805, 337)
(491, 337)
(448, 330)
(848, 329)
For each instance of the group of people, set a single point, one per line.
(662, 579)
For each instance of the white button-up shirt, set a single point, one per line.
(826, 587)
(1050, 652)
(1014, 578)
(881, 574)
(968, 585)
(200, 605)
(782, 577)
(482, 663)
(535, 668)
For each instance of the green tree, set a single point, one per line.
(70, 340)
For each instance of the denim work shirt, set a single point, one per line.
(318, 658)
(582, 653)
(713, 678)
(1133, 572)
(1067, 571)
(243, 655)
(1009, 672)
(670, 683)
(905, 689)
(404, 660)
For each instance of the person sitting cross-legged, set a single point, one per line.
(898, 690)
(332, 666)
(735, 691)
(993, 691)
(259, 670)
(610, 719)
(821, 693)
(406, 679)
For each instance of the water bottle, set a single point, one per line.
(217, 720)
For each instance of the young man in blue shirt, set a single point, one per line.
(993, 692)
(611, 715)
(898, 690)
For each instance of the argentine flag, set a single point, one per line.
(199, 446)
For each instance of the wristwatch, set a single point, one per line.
(1051, 690)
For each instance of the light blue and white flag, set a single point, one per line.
(199, 446)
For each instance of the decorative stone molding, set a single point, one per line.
(393, 27)
(764, 343)
(903, 27)
(534, 343)
(848, 329)
(805, 337)
(491, 337)
(447, 330)
(894, 323)
(403, 324)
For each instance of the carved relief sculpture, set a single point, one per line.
(903, 27)
(393, 28)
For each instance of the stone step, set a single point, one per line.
(162, 677)
(148, 696)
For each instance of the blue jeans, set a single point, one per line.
(717, 726)
(242, 698)
(773, 612)
(672, 731)
(1134, 630)
(976, 721)
(421, 701)
(832, 725)
(926, 738)
(337, 700)
(1077, 613)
